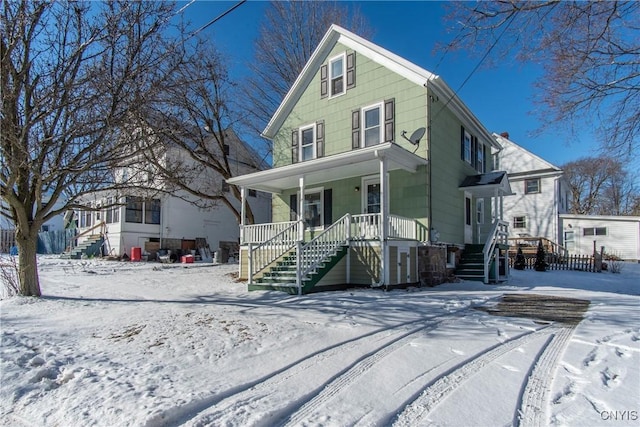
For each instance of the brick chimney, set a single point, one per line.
(505, 135)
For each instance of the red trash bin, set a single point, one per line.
(136, 254)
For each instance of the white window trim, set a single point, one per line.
(363, 110)
(342, 56)
(307, 192)
(313, 142)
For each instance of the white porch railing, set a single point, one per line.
(323, 245)
(499, 234)
(365, 226)
(402, 228)
(263, 254)
(260, 233)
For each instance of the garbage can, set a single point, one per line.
(136, 253)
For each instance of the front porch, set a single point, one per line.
(351, 252)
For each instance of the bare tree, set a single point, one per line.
(194, 123)
(600, 186)
(289, 34)
(590, 52)
(73, 74)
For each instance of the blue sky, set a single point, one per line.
(500, 97)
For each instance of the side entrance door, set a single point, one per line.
(468, 218)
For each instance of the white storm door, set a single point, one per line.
(468, 218)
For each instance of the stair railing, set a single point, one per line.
(103, 229)
(262, 255)
(323, 245)
(499, 234)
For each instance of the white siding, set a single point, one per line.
(622, 234)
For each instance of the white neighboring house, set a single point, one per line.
(620, 235)
(168, 221)
(540, 192)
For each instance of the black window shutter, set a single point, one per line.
(462, 142)
(293, 207)
(474, 152)
(294, 146)
(324, 81)
(389, 120)
(351, 70)
(320, 138)
(485, 158)
(355, 129)
(328, 205)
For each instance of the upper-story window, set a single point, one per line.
(480, 158)
(373, 125)
(372, 128)
(472, 151)
(336, 75)
(466, 146)
(532, 186)
(307, 143)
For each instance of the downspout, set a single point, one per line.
(430, 227)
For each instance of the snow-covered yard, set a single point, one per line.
(137, 344)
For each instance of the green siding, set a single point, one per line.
(409, 195)
(374, 84)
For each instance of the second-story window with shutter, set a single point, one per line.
(338, 75)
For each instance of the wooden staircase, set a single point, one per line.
(282, 275)
(471, 266)
(92, 246)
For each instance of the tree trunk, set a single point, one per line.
(27, 265)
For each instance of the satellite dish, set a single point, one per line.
(415, 136)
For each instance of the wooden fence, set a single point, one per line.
(562, 262)
(7, 240)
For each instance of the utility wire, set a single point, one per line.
(486, 54)
(217, 18)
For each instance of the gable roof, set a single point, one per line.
(519, 161)
(391, 61)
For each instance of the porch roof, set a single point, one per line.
(486, 184)
(360, 162)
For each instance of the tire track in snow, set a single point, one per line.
(348, 376)
(533, 411)
(241, 396)
(415, 413)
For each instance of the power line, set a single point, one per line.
(486, 54)
(217, 18)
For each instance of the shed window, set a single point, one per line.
(594, 231)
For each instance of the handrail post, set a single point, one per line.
(299, 266)
(250, 263)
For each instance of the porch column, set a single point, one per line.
(301, 208)
(243, 201)
(384, 211)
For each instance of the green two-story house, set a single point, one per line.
(374, 158)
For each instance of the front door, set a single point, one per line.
(371, 196)
(468, 218)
